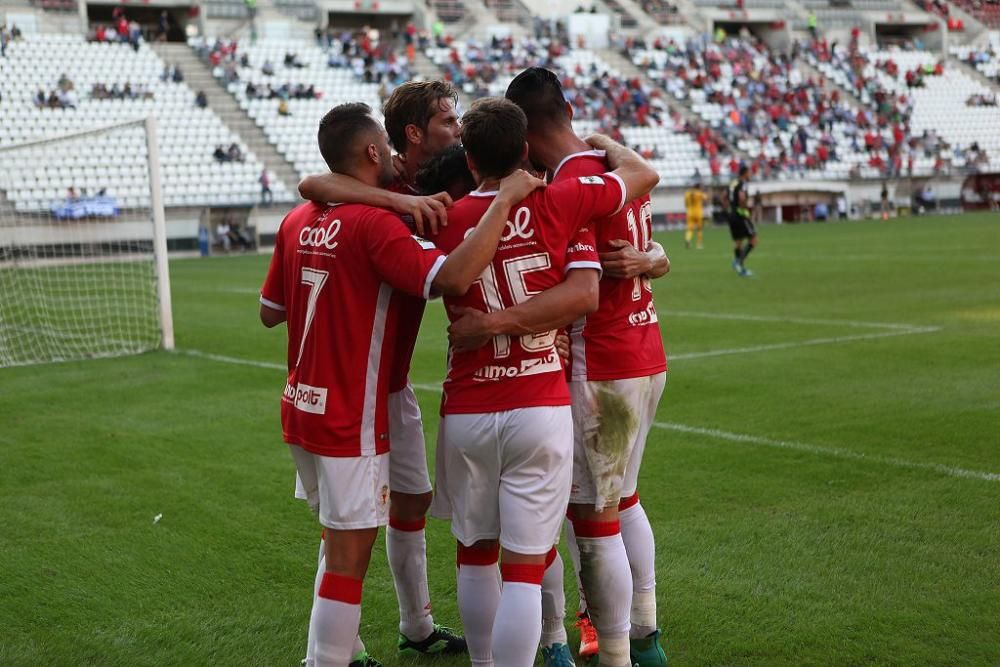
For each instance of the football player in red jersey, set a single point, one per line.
(505, 455)
(332, 278)
(421, 119)
(618, 371)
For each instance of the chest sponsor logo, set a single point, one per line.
(321, 234)
(307, 398)
(518, 228)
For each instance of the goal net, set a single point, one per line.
(83, 265)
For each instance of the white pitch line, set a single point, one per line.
(802, 343)
(233, 360)
(791, 320)
(834, 452)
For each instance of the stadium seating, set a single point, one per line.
(294, 135)
(602, 98)
(987, 13)
(985, 60)
(191, 176)
(762, 102)
(943, 129)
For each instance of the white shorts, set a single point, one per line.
(408, 453)
(505, 475)
(346, 493)
(611, 419)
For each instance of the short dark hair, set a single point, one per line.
(540, 95)
(744, 170)
(444, 171)
(339, 132)
(494, 133)
(414, 103)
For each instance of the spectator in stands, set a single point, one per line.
(178, 75)
(283, 109)
(222, 235)
(926, 199)
(220, 154)
(72, 194)
(234, 153)
(163, 24)
(201, 100)
(67, 100)
(267, 68)
(4, 39)
(266, 196)
(293, 60)
(842, 206)
(39, 99)
(821, 211)
(121, 26)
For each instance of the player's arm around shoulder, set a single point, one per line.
(429, 213)
(558, 306)
(637, 175)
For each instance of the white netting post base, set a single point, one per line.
(83, 272)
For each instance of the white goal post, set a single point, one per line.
(83, 246)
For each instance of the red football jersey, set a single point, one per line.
(333, 272)
(544, 238)
(622, 339)
(411, 313)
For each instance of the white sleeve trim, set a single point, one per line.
(585, 265)
(271, 304)
(431, 275)
(622, 184)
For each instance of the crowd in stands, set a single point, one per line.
(122, 30)
(62, 97)
(765, 104)
(595, 93)
(371, 58)
(298, 91)
(101, 91)
(984, 60)
(173, 73)
(981, 101)
(662, 12)
(986, 11)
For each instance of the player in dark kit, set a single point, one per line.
(740, 226)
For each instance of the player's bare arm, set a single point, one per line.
(271, 317)
(467, 262)
(628, 262)
(429, 213)
(639, 177)
(554, 308)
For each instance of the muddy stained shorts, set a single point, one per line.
(611, 419)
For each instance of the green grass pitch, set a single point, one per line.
(823, 481)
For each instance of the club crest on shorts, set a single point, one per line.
(384, 494)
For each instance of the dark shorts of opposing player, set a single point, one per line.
(740, 227)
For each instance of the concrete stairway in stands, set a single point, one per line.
(198, 76)
(629, 70)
